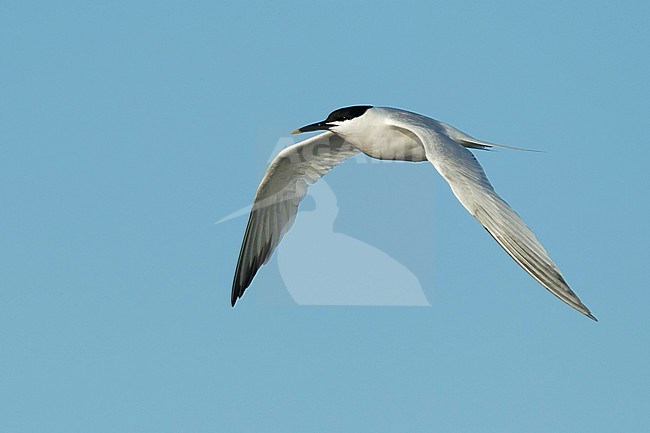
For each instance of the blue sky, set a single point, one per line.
(128, 128)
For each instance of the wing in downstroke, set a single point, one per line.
(473, 189)
(276, 202)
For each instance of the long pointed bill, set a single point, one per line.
(318, 126)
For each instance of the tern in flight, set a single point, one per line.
(393, 134)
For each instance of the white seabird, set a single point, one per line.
(388, 133)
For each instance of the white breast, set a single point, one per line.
(372, 136)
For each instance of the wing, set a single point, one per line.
(276, 202)
(472, 188)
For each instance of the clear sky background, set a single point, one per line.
(128, 128)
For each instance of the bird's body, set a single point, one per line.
(393, 134)
(377, 138)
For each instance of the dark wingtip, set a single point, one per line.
(584, 310)
(239, 286)
(235, 294)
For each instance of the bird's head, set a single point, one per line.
(338, 120)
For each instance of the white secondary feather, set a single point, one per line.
(276, 202)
